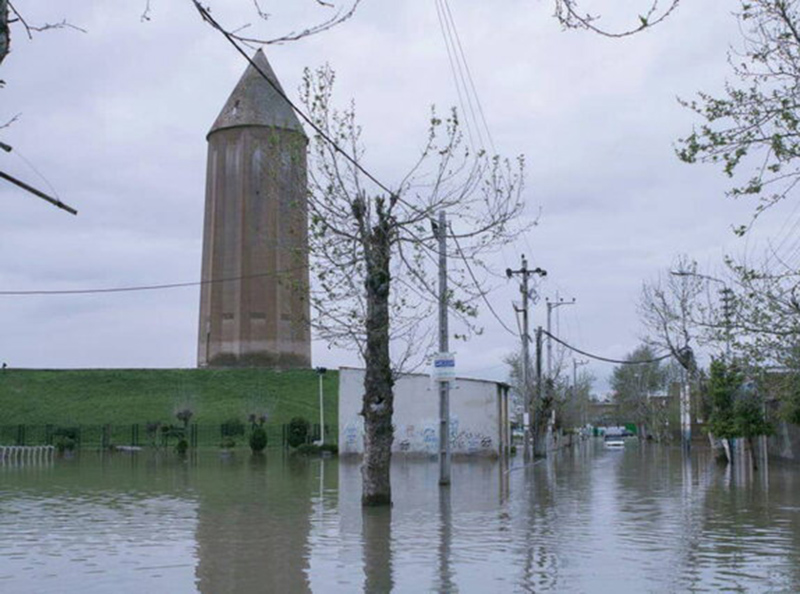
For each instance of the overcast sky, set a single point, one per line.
(116, 119)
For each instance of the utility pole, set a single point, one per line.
(526, 339)
(551, 305)
(538, 422)
(726, 294)
(575, 364)
(444, 385)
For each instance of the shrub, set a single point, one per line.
(298, 432)
(258, 439)
(184, 416)
(233, 427)
(331, 448)
(257, 420)
(182, 446)
(64, 444)
(152, 428)
(309, 449)
(172, 431)
(227, 443)
(66, 432)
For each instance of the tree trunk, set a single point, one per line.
(752, 447)
(540, 423)
(378, 402)
(717, 449)
(5, 37)
(376, 534)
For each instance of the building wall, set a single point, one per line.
(785, 442)
(478, 416)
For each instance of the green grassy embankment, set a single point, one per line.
(130, 396)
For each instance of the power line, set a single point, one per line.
(131, 289)
(458, 81)
(213, 22)
(33, 168)
(469, 76)
(606, 359)
(481, 291)
(462, 77)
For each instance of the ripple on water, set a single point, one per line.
(593, 521)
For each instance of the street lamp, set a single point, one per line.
(320, 372)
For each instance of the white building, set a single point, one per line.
(479, 416)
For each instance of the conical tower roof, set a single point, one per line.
(254, 102)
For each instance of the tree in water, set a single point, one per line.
(373, 251)
(737, 408)
(723, 382)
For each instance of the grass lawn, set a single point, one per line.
(128, 396)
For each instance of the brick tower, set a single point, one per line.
(254, 308)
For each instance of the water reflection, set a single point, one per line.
(445, 581)
(377, 549)
(253, 524)
(644, 518)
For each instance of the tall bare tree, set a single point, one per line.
(373, 251)
(670, 308)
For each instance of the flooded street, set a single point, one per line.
(590, 520)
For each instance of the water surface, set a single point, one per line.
(589, 520)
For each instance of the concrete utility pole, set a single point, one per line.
(538, 423)
(526, 339)
(444, 386)
(575, 364)
(726, 295)
(551, 305)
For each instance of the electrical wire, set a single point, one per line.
(33, 168)
(353, 161)
(132, 289)
(456, 79)
(482, 292)
(469, 75)
(462, 76)
(606, 359)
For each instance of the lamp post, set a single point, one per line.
(320, 372)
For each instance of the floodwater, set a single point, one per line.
(589, 520)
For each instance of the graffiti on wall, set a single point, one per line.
(421, 438)
(353, 438)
